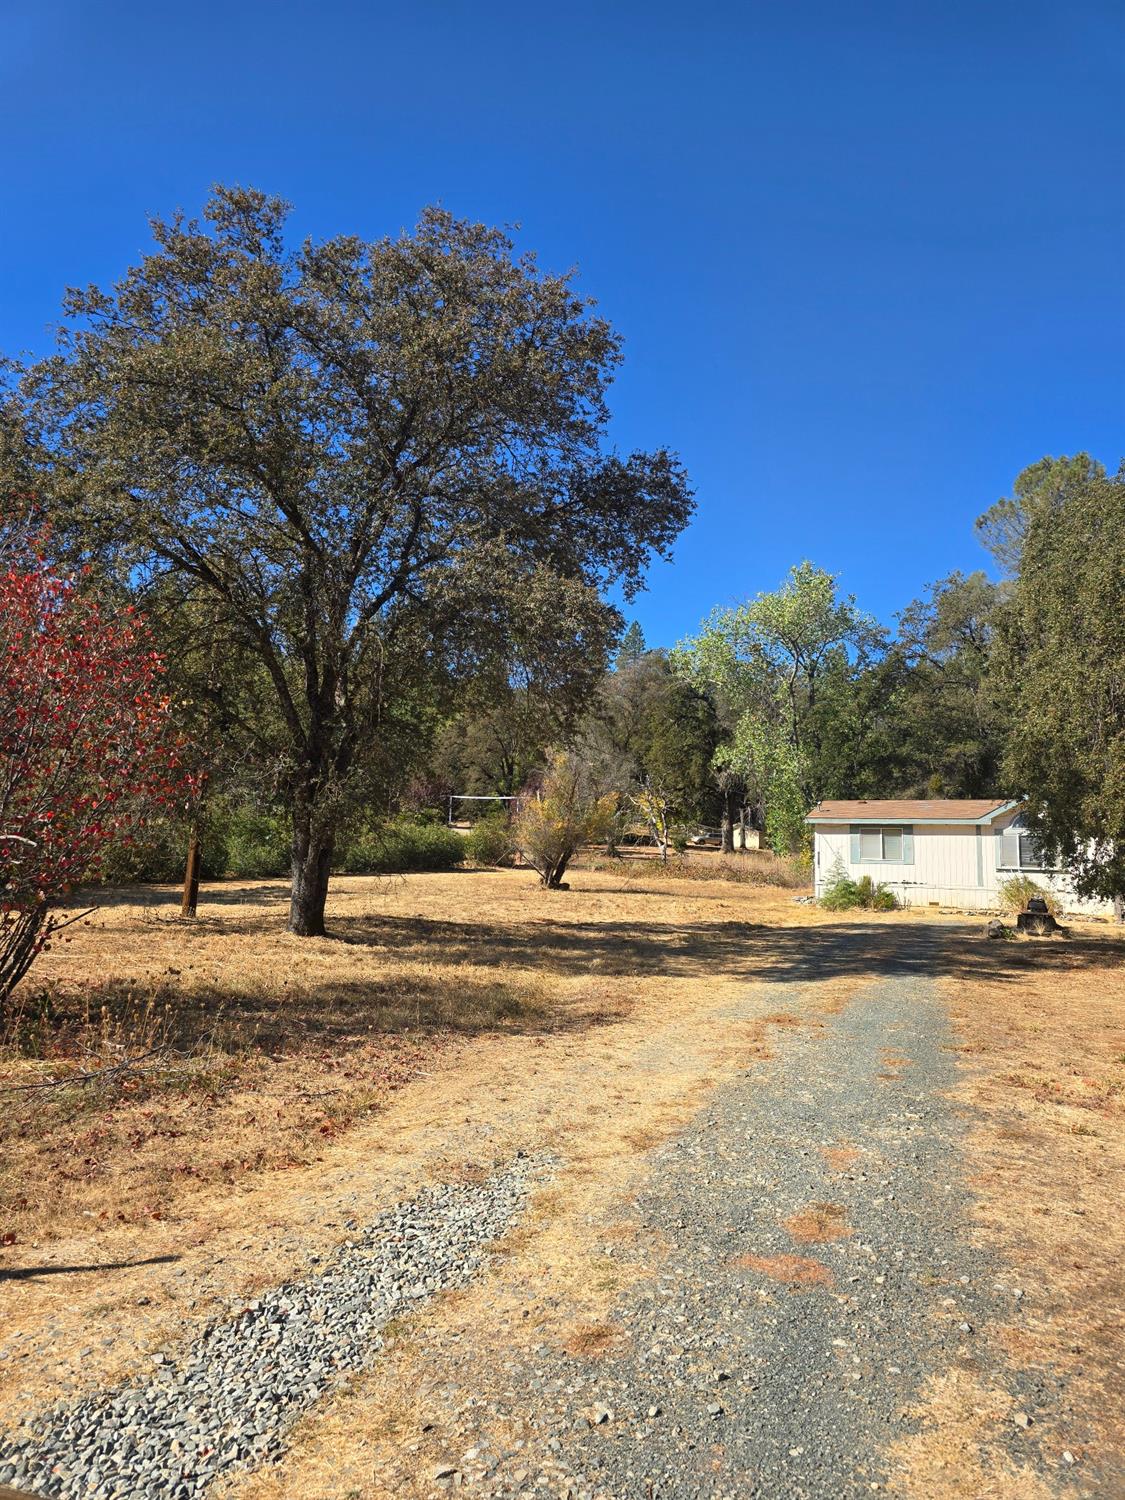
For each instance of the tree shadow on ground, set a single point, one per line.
(30, 1273)
(165, 899)
(779, 955)
(506, 971)
(234, 891)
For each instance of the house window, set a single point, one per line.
(1019, 851)
(891, 845)
(870, 843)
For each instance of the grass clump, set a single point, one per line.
(1017, 892)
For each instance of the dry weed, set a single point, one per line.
(798, 1272)
(818, 1224)
(840, 1158)
(591, 1339)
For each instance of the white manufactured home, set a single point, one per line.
(936, 852)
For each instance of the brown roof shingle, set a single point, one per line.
(907, 810)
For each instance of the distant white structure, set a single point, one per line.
(937, 851)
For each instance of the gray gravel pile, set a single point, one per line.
(229, 1398)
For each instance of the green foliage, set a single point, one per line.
(768, 761)
(1059, 662)
(1040, 490)
(490, 841)
(1017, 892)
(781, 668)
(252, 843)
(927, 721)
(632, 647)
(674, 744)
(401, 846)
(875, 897)
(157, 854)
(842, 893)
(258, 844)
(239, 840)
(650, 736)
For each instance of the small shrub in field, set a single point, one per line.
(489, 842)
(564, 814)
(874, 897)
(89, 751)
(1018, 891)
(840, 895)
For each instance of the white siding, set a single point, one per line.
(955, 864)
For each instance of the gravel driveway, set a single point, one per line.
(775, 1361)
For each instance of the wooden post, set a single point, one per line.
(191, 874)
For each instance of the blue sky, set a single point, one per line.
(867, 258)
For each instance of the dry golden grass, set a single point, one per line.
(273, 1045)
(956, 1454)
(324, 1079)
(591, 1338)
(1043, 1040)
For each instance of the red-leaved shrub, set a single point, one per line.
(87, 748)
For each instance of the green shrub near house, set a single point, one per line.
(1017, 892)
(842, 893)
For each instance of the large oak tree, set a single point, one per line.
(376, 462)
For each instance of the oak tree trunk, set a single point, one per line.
(312, 865)
(551, 875)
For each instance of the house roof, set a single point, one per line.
(906, 810)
